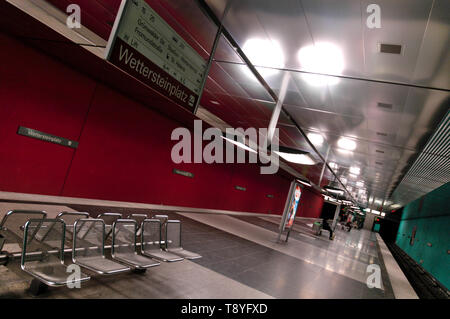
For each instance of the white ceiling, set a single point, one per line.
(415, 83)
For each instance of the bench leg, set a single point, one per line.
(37, 287)
(4, 260)
(139, 271)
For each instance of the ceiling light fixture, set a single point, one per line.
(333, 165)
(315, 138)
(324, 58)
(264, 53)
(295, 156)
(355, 170)
(360, 184)
(347, 144)
(334, 190)
(304, 182)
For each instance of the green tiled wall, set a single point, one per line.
(431, 215)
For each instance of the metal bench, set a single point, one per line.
(163, 219)
(89, 248)
(109, 219)
(69, 219)
(139, 218)
(150, 242)
(173, 243)
(13, 223)
(45, 262)
(123, 247)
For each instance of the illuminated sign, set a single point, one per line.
(291, 208)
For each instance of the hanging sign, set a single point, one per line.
(143, 45)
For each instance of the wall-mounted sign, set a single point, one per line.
(184, 173)
(240, 188)
(25, 131)
(143, 45)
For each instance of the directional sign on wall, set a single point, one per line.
(146, 47)
(25, 131)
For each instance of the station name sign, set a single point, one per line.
(143, 45)
(183, 173)
(25, 131)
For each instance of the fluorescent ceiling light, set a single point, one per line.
(355, 170)
(347, 144)
(375, 212)
(333, 165)
(334, 190)
(383, 214)
(352, 175)
(239, 144)
(315, 138)
(329, 198)
(323, 57)
(307, 183)
(264, 53)
(295, 156)
(359, 184)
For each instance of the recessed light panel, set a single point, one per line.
(347, 144)
(315, 138)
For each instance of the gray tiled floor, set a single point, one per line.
(275, 273)
(278, 274)
(235, 259)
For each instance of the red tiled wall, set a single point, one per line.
(124, 150)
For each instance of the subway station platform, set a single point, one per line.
(241, 259)
(300, 148)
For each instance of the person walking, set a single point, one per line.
(326, 226)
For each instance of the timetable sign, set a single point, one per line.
(143, 45)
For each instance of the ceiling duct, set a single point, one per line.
(385, 105)
(390, 48)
